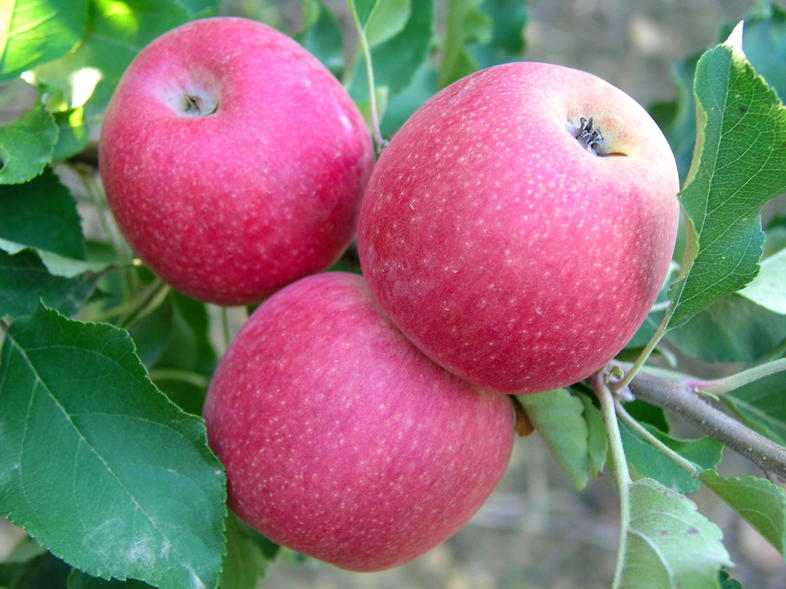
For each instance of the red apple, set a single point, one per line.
(233, 160)
(340, 439)
(519, 226)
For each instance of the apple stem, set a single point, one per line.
(619, 464)
(372, 92)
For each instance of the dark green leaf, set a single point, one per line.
(732, 329)
(80, 580)
(761, 503)
(363, 9)
(244, 564)
(509, 17)
(402, 105)
(26, 146)
(669, 544)
(114, 38)
(737, 170)
(37, 31)
(200, 8)
(43, 572)
(98, 465)
(74, 133)
(151, 333)
(727, 582)
(24, 280)
(480, 34)
(760, 405)
(397, 59)
(322, 37)
(41, 214)
(647, 461)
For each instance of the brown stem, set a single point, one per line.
(677, 396)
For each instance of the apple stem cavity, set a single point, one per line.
(591, 138)
(198, 106)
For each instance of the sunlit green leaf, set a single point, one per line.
(116, 33)
(35, 31)
(768, 289)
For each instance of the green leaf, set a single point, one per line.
(34, 31)
(738, 167)
(465, 23)
(401, 106)
(200, 8)
(117, 31)
(731, 329)
(479, 34)
(727, 582)
(322, 36)
(24, 280)
(41, 214)
(558, 417)
(758, 501)
(27, 145)
(760, 405)
(647, 461)
(669, 545)
(397, 59)
(98, 465)
(508, 17)
(597, 437)
(386, 20)
(768, 289)
(42, 572)
(244, 564)
(79, 580)
(764, 44)
(363, 9)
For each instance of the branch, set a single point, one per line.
(680, 396)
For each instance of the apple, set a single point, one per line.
(340, 439)
(233, 161)
(520, 224)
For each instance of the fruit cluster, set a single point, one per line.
(512, 238)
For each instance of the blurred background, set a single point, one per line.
(536, 531)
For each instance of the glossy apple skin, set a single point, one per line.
(341, 440)
(503, 248)
(231, 205)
